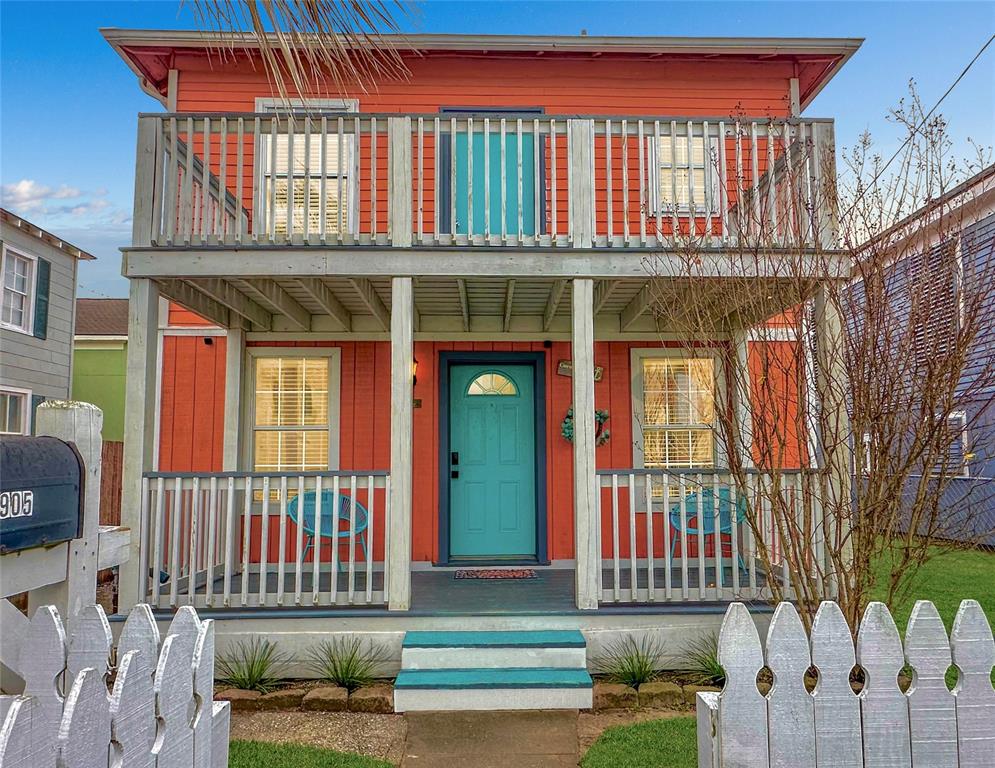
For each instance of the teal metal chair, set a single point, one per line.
(708, 527)
(334, 518)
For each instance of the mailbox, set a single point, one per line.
(41, 492)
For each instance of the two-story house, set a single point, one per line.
(37, 316)
(409, 286)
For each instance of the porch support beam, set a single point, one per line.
(401, 422)
(234, 364)
(588, 558)
(372, 301)
(382, 261)
(464, 303)
(236, 301)
(282, 302)
(509, 298)
(553, 303)
(323, 297)
(635, 308)
(191, 298)
(139, 428)
(741, 396)
(832, 385)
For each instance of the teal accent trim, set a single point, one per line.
(524, 639)
(466, 679)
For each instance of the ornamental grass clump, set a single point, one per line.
(630, 661)
(701, 661)
(347, 662)
(251, 666)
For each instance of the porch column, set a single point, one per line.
(398, 563)
(834, 447)
(741, 395)
(586, 522)
(140, 415)
(234, 357)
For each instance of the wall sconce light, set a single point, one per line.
(414, 372)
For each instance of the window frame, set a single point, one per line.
(334, 358)
(32, 294)
(262, 155)
(711, 174)
(636, 358)
(27, 396)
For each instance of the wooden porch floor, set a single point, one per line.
(437, 592)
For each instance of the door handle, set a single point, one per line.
(454, 458)
(454, 474)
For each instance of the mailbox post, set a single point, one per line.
(80, 424)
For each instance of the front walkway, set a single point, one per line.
(524, 739)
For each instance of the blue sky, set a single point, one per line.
(68, 104)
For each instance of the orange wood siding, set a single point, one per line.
(561, 85)
(191, 432)
(193, 408)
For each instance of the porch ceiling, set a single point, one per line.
(442, 304)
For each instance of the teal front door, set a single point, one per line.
(492, 492)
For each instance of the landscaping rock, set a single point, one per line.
(691, 691)
(284, 698)
(614, 696)
(330, 699)
(241, 701)
(661, 695)
(372, 698)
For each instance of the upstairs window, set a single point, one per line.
(327, 207)
(18, 291)
(687, 174)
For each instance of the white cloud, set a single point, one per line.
(28, 194)
(63, 205)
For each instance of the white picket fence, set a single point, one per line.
(160, 710)
(881, 727)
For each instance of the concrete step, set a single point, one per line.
(492, 689)
(560, 649)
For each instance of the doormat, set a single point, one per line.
(496, 573)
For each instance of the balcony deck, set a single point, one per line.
(293, 222)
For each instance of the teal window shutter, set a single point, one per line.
(41, 299)
(36, 400)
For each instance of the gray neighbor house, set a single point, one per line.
(37, 319)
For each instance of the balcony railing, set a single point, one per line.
(246, 539)
(704, 534)
(521, 180)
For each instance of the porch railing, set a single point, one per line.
(236, 539)
(696, 535)
(520, 180)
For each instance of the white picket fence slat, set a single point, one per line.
(832, 727)
(160, 712)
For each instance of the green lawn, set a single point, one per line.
(667, 743)
(946, 580)
(259, 754)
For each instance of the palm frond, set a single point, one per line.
(306, 46)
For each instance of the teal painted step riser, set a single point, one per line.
(492, 679)
(523, 639)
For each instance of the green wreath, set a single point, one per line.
(601, 434)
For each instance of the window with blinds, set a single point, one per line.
(678, 412)
(687, 173)
(18, 284)
(301, 193)
(291, 426)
